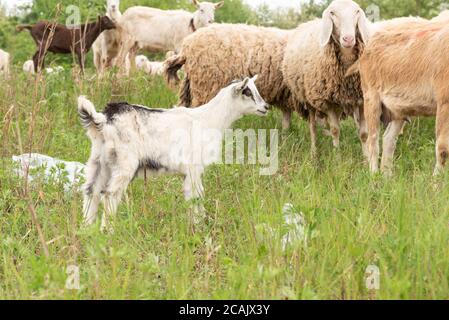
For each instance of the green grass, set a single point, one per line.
(400, 225)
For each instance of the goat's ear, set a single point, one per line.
(255, 78)
(364, 27)
(241, 86)
(196, 3)
(327, 27)
(219, 5)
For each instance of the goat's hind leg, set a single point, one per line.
(119, 180)
(442, 132)
(92, 191)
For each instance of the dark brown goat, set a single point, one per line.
(57, 38)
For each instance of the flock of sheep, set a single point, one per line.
(326, 70)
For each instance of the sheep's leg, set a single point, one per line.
(116, 187)
(96, 179)
(372, 115)
(312, 128)
(442, 133)
(389, 145)
(334, 124)
(359, 118)
(286, 119)
(194, 191)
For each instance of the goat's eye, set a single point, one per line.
(332, 13)
(202, 11)
(247, 92)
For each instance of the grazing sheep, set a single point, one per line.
(152, 68)
(107, 45)
(57, 38)
(159, 31)
(213, 56)
(130, 140)
(28, 67)
(4, 62)
(405, 69)
(316, 59)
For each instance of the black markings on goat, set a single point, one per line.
(114, 109)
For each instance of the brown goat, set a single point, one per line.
(57, 38)
(405, 68)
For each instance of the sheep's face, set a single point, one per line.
(113, 6)
(247, 98)
(205, 14)
(141, 61)
(341, 21)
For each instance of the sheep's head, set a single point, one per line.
(341, 21)
(112, 6)
(247, 99)
(205, 13)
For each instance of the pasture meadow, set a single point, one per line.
(352, 220)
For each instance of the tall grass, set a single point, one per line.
(353, 219)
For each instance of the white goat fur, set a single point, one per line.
(107, 46)
(153, 68)
(130, 141)
(4, 62)
(159, 31)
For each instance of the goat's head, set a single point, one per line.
(113, 6)
(246, 98)
(205, 13)
(341, 21)
(106, 23)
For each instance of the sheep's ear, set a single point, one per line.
(326, 28)
(196, 3)
(364, 28)
(219, 5)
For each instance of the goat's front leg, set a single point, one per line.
(194, 191)
(391, 135)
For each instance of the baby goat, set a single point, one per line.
(132, 140)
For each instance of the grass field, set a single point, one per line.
(353, 219)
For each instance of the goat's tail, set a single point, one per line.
(172, 66)
(90, 118)
(22, 27)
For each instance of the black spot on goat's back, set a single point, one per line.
(116, 108)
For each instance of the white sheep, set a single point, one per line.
(131, 140)
(28, 67)
(152, 68)
(316, 60)
(4, 62)
(106, 47)
(159, 31)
